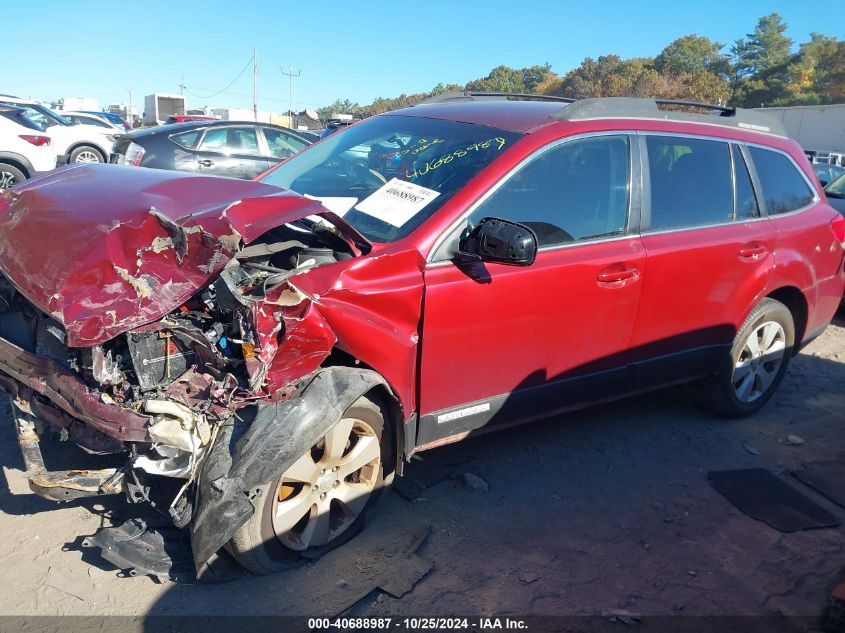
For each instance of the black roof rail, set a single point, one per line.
(448, 97)
(637, 108)
(723, 110)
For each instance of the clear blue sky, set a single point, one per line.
(357, 50)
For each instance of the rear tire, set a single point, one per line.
(10, 175)
(264, 544)
(757, 363)
(85, 154)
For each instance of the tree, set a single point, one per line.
(762, 63)
(440, 89)
(534, 76)
(832, 86)
(608, 76)
(692, 53)
(338, 107)
(810, 71)
(500, 79)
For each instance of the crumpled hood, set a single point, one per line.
(104, 249)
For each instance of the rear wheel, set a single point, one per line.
(10, 175)
(757, 363)
(85, 154)
(322, 500)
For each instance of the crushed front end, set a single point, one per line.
(145, 326)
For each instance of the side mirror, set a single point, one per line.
(501, 242)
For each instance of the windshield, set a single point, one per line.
(836, 189)
(388, 174)
(41, 115)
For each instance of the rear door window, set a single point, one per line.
(230, 140)
(784, 188)
(575, 191)
(691, 182)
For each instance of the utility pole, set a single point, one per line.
(129, 111)
(182, 85)
(291, 74)
(255, 84)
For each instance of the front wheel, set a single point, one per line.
(758, 360)
(320, 501)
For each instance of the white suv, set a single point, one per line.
(24, 149)
(80, 143)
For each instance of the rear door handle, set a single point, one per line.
(206, 162)
(753, 251)
(616, 276)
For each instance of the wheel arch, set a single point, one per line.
(275, 438)
(796, 303)
(388, 396)
(18, 161)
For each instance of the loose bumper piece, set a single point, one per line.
(59, 485)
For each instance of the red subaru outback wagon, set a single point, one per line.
(266, 355)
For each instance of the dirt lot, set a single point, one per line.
(601, 509)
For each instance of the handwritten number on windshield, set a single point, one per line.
(497, 143)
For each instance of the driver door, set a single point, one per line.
(503, 344)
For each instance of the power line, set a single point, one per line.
(243, 94)
(229, 85)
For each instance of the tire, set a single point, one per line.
(260, 548)
(746, 382)
(10, 175)
(85, 154)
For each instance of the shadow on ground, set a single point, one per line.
(605, 508)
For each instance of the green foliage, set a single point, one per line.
(692, 53)
(761, 69)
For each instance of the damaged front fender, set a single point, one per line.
(279, 434)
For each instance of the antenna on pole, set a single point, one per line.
(255, 84)
(291, 74)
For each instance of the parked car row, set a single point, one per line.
(79, 138)
(220, 148)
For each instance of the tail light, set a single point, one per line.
(36, 139)
(838, 228)
(134, 154)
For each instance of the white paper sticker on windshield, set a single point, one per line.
(397, 202)
(335, 204)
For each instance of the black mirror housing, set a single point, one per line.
(501, 241)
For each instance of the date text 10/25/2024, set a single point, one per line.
(417, 624)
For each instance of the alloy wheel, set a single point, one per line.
(7, 179)
(88, 156)
(326, 489)
(759, 361)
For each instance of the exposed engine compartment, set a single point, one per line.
(191, 370)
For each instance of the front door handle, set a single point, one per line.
(205, 162)
(616, 275)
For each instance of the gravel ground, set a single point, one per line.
(607, 508)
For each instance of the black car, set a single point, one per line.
(222, 148)
(835, 193)
(827, 173)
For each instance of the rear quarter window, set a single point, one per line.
(784, 188)
(186, 139)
